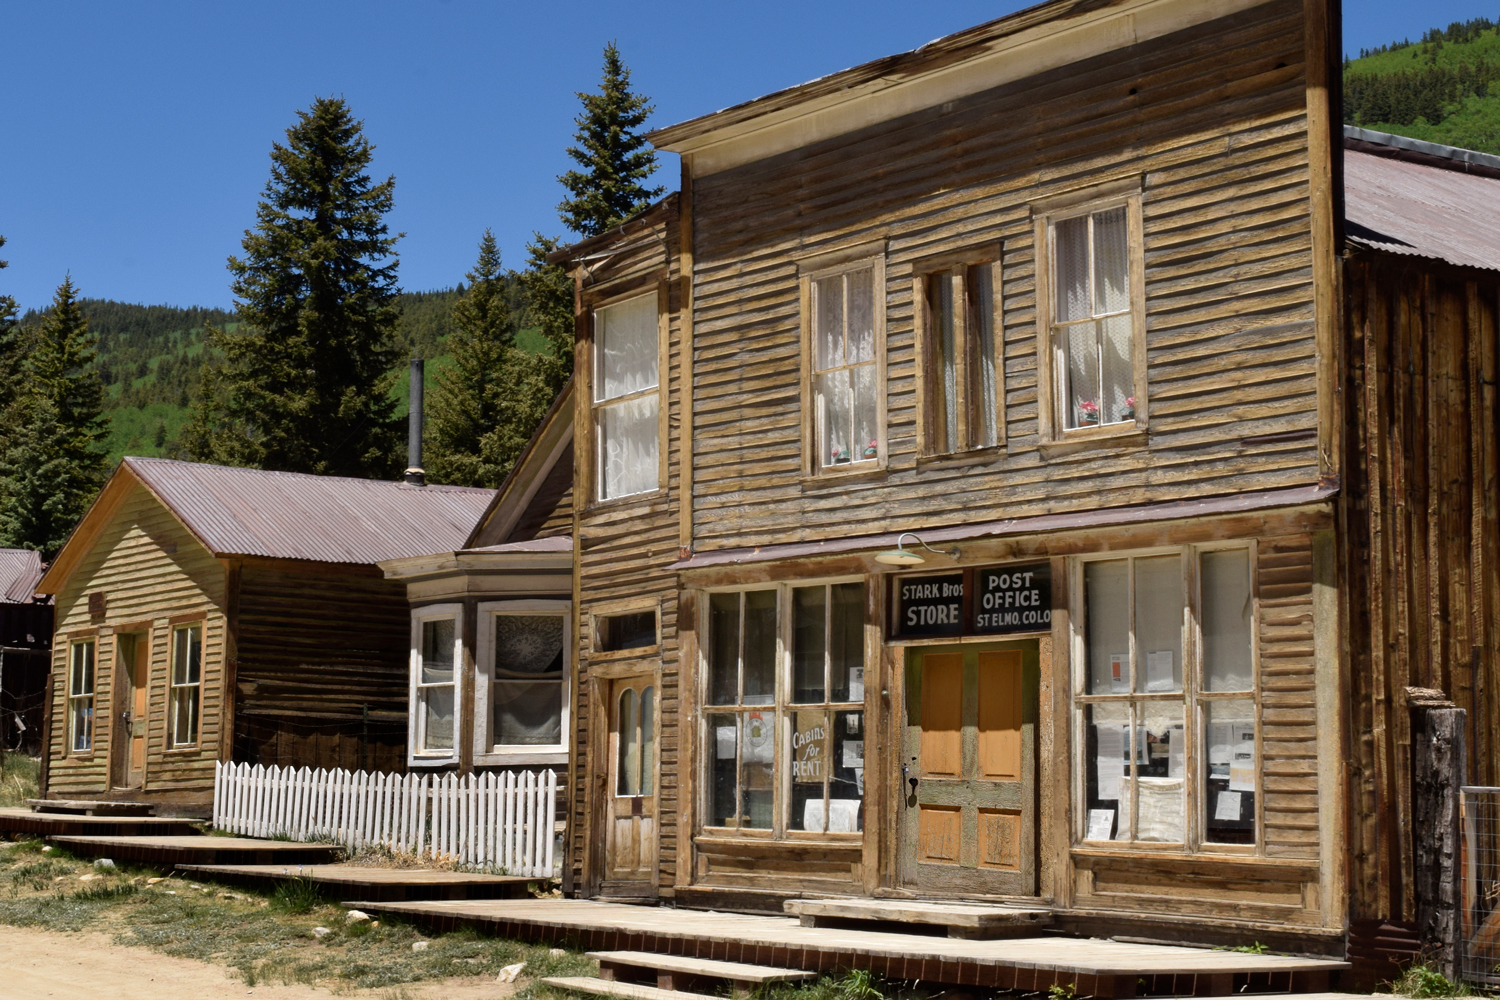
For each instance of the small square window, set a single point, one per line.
(628, 630)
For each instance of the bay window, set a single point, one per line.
(1166, 697)
(522, 677)
(436, 637)
(784, 686)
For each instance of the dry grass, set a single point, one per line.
(18, 778)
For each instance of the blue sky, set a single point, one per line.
(134, 138)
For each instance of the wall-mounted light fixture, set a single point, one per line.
(905, 557)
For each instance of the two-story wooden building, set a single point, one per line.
(977, 495)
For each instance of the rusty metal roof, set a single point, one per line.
(20, 572)
(1416, 201)
(288, 515)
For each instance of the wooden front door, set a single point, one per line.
(968, 820)
(132, 661)
(630, 804)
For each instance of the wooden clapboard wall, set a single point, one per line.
(550, 512)
(150, 571)
(1212, 118)
(624, 548)
(1422, 549)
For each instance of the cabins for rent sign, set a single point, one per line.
(989, 600)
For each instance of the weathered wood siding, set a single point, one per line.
(150, 570)
(550, 512)
(1214, 121)
(623, 550)
(322, 666)
(1422, 550)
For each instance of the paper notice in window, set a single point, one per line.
(1176, 752)
(854, 753)
(1159, 664)
(843, 816)
(1242, 760)
(1101, 824)
(724, 742)
(856, 683)
(1109, 762)
(1227, 806)
(1119, 673)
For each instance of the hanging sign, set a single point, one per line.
(990, 600)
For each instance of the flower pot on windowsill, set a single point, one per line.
(1128, 414)
(1088, 420)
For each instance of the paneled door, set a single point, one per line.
(132, 663)
(968, 820)
(630, 806)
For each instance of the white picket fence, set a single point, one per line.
(502, 821)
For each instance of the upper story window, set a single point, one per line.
(1167, 698)
(1092, 305)
(843, 309)
(961, 368)
(81, 696)
(627, 397)
(187, 683)
(435, 653)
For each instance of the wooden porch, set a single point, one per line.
(1091, 966)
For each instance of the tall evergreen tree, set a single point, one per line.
(464, 406)
(615, 157)
(304, 382)
(54, 460)
(12, 353)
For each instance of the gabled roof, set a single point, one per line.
(287, 515)
(20, 572)
(1421, 199)
(552, 440)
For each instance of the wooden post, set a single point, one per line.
(1439, 771)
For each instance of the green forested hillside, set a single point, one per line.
(1443, 88)
(151, 357)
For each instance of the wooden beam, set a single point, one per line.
(685, 304)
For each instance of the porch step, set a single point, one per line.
(632, 991)
(963, 920)
(91, 807)
(675, 971)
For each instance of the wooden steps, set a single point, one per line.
(631, 991)
(47, 824)
(384, 885)
(168, 852)
(92, 807)
(674, 972)
(963, 920)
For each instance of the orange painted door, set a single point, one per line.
(968, 819)
(630, 805)
(132, 663)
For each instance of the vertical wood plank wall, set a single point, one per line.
(623, 551)
(1422, 549)
(1212, 119)
(150, 569)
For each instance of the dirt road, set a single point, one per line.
(35, 965)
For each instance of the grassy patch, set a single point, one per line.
(1424, 980)
(19, 775)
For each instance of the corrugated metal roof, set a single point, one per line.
(1421, 210)
(20, 572)
(288, 515)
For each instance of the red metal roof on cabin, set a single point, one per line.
(288, 515)
(1424, 211)
(20, 572)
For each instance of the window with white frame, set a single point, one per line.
(81, 696)
(845, 371)
(784, 734)
(1167, 697)
(527, 677)
(960, 365)
(1096, 357)
(627, 399)
(187, 683)
(435, 654)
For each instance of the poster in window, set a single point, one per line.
(810, 742)
(760, 743)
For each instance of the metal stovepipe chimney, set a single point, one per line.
(415, 474)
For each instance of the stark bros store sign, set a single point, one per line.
(990, 600)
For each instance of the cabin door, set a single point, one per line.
(630, 805)
(968, 822)
(132, 660)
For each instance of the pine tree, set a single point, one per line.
(303, 384)
(12, 353)
(466, 398)
(54, 461)
(615, 158)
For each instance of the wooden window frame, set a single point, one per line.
(813, 268)
(956, 267)
(587, 371)
(415, 756)
(170, 736)
(609, 609)
(74, 644)
(1046, 213)
(486, 751)
(1193, 699)
(782, 708)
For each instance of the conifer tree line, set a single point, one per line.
(300, 376)
(1427, 90)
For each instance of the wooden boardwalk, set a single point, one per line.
(1100, 968)
(384, 885)
(48, 824)
(167, 852)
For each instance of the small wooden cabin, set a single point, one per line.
(207, 613)
(1031, 495)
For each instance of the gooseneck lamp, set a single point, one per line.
(900, 556)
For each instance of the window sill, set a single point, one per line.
(1112, 436)
(1202, 856)
(635, 652)
(837, 476)
(182, 751)
(426, 760)
(960, 459)
(553, 757)
(598, 506)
